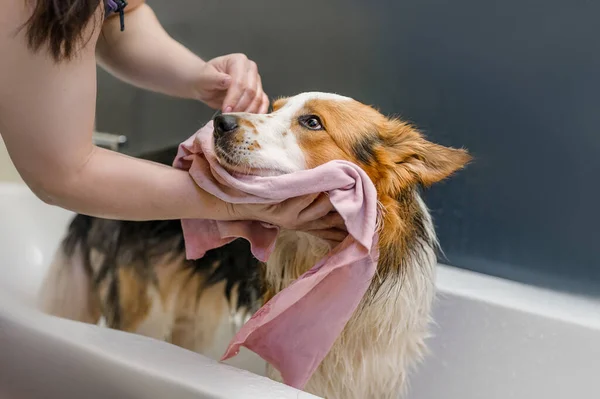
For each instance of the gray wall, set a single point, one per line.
(514, 81)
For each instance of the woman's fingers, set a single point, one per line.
(317, 209)
(332, 220)
(332, 236)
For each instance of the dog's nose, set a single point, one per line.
(225, 124)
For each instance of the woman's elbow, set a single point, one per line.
(50, 191)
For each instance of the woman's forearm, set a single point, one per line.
(46, 119)
(115, 186)
(146, 56)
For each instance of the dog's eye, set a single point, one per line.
(311, 122)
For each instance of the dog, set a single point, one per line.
(133, 276)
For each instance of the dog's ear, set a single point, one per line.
(416, 158)
(433, 162)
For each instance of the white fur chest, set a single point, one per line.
(385, 337)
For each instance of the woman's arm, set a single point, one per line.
(46, 119)
(146, 56)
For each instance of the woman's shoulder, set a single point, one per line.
(14, 14)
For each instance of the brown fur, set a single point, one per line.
(399, 159)
(169, 300)
(134, 297)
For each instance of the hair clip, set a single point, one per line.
(117, 6)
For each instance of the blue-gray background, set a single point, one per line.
(517, 82)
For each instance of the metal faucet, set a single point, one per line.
(109, 140)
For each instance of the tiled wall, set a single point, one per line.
(7, 169)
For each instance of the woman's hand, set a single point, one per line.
(232, 83)
(146, 56)
(313, 214)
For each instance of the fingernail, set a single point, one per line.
(228, 109)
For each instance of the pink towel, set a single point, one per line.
(297, 327)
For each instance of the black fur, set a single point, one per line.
(141, 244)
(364, 149)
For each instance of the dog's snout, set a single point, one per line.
(225, 124)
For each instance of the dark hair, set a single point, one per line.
(59, 26)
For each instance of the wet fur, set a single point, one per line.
(385, 337)
(133, 276)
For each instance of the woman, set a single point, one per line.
(48, 55)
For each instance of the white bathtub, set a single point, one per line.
(48, 357)
(494, 339)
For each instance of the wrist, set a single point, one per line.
(235, 211)
(214, 208)
(192, 78)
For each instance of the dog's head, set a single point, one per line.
(311, 129)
